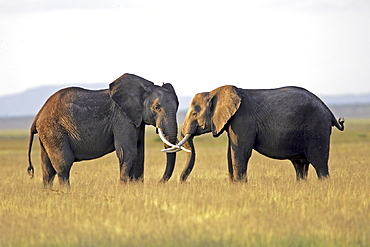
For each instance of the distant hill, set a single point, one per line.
(347, 99)
(29, 102)
(18, 110)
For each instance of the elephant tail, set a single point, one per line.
(339, 124)
(33, 131)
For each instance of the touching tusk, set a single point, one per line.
(165, 141)
(173, 148)
(186, 137)
(185, 149)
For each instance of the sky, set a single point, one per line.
(321, 45)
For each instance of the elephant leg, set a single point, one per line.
(240, 165)
(241, 143)
(62, 158)
(57, 159)
(301, 168)
(48, 171)
(137, 172)
(63, 167)
(238, 157)
(318, 156)
(127, 160)
(321, 166)
(126, 145)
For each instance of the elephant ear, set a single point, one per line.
(128, 92)
(223, 106)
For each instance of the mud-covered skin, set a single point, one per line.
(77, 124)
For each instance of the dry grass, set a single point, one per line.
(272, 209)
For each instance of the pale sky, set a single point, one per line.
(322, 45)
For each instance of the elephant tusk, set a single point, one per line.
(171, 150)
(185, 149)
(175, 149)
(165, 141)
(186, 137)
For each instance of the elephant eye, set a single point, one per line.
(197, 108)
(157, 107)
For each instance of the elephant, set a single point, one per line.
(77, 124)
(283, 123)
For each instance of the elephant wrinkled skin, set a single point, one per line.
(284, 123)
(76, 124)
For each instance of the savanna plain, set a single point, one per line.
(272, 209)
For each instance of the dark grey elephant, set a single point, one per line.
(284, 123)
(76, 124)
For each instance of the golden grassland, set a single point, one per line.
(272, 209)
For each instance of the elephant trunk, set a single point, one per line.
(190, 160)
(168, 127)
(168, 130)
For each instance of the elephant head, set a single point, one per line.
(143, 102)
(208, 112)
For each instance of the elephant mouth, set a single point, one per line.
(174, 147)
